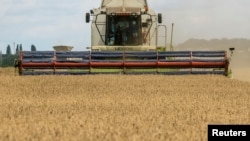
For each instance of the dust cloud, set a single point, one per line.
(240, 65)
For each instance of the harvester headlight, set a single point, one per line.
(91, 12)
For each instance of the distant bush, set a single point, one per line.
(8, 60)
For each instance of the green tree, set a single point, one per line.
(17, 49)
(33, 47)
(20, 47)
(1, 58)
(8, 51)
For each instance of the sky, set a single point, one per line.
(46, 23)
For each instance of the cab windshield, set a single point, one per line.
(123, 30)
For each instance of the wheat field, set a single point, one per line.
(118, 107)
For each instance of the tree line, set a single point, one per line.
(7, 60)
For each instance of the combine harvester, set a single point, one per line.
(125, 38)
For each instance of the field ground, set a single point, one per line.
(118, 107)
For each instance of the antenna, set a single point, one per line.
(171, 43)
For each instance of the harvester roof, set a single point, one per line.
(124, 3)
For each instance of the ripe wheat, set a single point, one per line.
(118, 107)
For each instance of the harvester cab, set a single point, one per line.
(124, 39)
(124, 25)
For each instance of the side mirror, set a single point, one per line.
(91, 12)
(159, 18)
(231, 49)
(87, 17)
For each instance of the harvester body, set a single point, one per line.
(124, 39)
